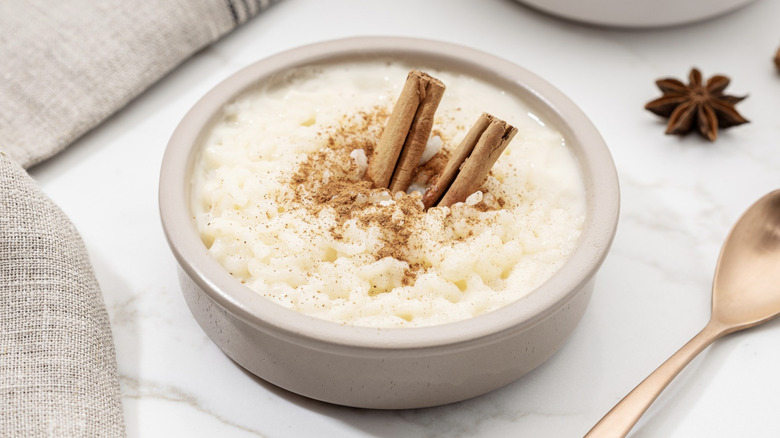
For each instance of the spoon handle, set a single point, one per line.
(619, 421)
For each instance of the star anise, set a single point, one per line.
(777, 59)
(699, 104)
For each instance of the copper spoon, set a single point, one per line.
(745, 293)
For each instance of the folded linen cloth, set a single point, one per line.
(57, 365)
(65, 66)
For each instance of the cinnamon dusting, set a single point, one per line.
(330, 178)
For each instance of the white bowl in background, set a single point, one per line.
(637, 13)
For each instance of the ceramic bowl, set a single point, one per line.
(637, 13)
(398, 367)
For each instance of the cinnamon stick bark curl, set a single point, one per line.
(471, 163)
(409, 127)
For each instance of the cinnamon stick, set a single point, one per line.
(476, 154)
(466, 146)
(417, 139)
(407, 130)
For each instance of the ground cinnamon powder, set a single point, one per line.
(332, 178)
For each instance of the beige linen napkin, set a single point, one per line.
(64, 67)
(57, 366)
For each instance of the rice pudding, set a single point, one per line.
(281, 200)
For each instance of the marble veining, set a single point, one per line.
(135, 389)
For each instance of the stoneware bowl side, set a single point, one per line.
(390, 368)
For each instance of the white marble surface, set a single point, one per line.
(680, 197)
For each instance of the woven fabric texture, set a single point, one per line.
(65, 66)
(57, 363)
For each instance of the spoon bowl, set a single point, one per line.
(746, 289)
(745, 293)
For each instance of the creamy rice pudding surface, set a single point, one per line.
(281, 201)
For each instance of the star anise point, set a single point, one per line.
(777, 60)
